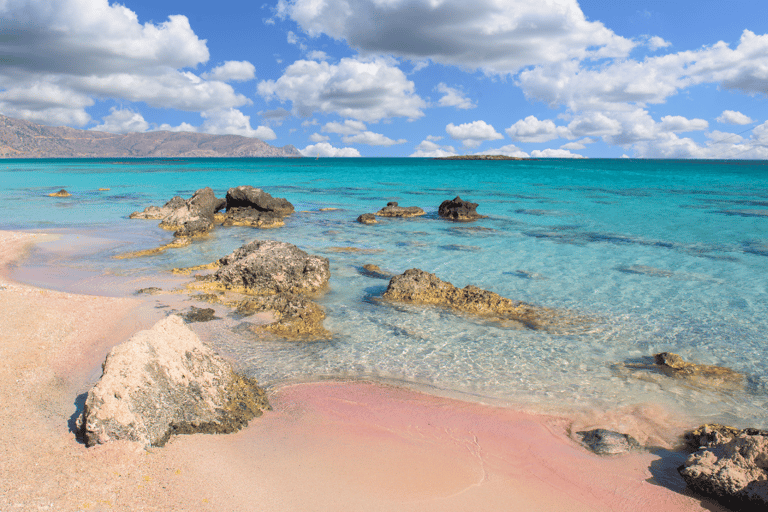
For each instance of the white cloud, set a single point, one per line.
(508, 150)
(554, 153)
(428, 149)
(497, 36)
(733, 117)
(531, 129)
(453, 97)
(578, 145)
(317, 55)
(232, 71)
(681, 124)
(372, 139)
(348, 127)
(183, 127)
(367, 90)
(324, 149)
(316, 137)
(657, 43)
(233, 122)
(122, 121)
(474, 133)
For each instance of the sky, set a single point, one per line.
(398, 78)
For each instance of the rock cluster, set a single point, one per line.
(459, 210)
(393, 210)
(295, 316)
(703, 375)
(419, 287)
(732, 467)
(165, 381)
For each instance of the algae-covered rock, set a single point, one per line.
(199, 315)
(247, 196)
(165, 381)
(253, 218)
(393, 210)
(459, 210)
(157, 212)
(60, 193)
(367, 218)
(673, 365)
(295, 316)
(608, 442)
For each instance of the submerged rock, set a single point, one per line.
(367, 218)
(417, 286)
(267, 267)
(374, 271)
(253, 218)
(60, 193)
(158, 213)
(733, 471)
(295, 316)
(247, 196)
(459, 210)
(152, 290)
(393, 210)
(608, 442)
(179, 241)
(705, 375)
(200, 315)
(165, 381)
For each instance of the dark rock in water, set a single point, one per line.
(251, 217)
(251, 197)
(200, 315)
(159, 213)
(703, 375)
(195, 217)
(152, 290)
(375, 272)
(295, 316)
(733, 470)
(525, 274)
(165, 381)
(60, 193)
(267, 267)
(608, 442)
(367, 218)
(393, 210)
(644, 270)
(419, 287)
(459, 210)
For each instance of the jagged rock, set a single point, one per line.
(417, 286)
(60, 193)
(608, 442)
(165, 381)
(152, 290)
(267, 267)
(734, 472)
(252, 218)
(295, 316)
(374, 271)
(179, 241)
(393, 210)
(459, 210)
(196, 216)
(200, 315)
(367, 218)
(159, 213)
(709, 435)
(251, 197)
(704, 375)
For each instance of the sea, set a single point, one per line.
(660, 255)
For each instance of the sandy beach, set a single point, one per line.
(325, 446)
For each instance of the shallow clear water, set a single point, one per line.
(665, 255)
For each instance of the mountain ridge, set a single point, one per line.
(25, 139)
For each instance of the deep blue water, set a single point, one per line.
(665, 255)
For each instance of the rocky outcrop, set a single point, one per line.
(157, 212)
(370, 270)
(419, 287)
(367, 218)
(255, 198)
(252, 218)
(295, 316)
(179, 241)
(459, 210)
(196, 216)
(703, 375)
(268, 267)
(165, 381)
(393, 210)
(734, 471)
(60, 193)
(712, 434)
(608, 442)
(199, 315)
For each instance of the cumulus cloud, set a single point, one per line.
(508, 150)
(348, 127)
(733, 117)
(122, 121)
(497, 36)
(531, 129)
(232, 71)
(367, 90)
(324, 149)
(233, 122)
(657, 43)
(316, 137)
(554, 153)
(473, 134)
(372, 139)
(681, 124)
(429, 149)
(578, 145)
(453, 97)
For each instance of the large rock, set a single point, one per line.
(252, 218)
(196, 216)
(608, 442)
(711, 434)
(393, 210)
(735, 472)
(251, 197)
(159, 213)
(419, 287)
(367, 218)
(459, 210)
(295, 316)
(267, 267)
(165, 381)
(703, 375)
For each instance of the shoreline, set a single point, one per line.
(327, 445)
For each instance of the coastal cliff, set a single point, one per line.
(23, 139)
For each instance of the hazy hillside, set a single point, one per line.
(22, 139)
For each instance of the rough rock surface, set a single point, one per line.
(267, 267)
(712, 434)
(459, 210)
(367, 218)
(251, 197)
(295, 316)
(608, 442)
(196, 216)
(735, 472)
(165, 381)
(393, 210)
(200, 315)
(370, 270)
(60, 193)
(704, 375)
(417, 286)
(159, 213)
(252, 217)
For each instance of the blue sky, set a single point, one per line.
(591, 78)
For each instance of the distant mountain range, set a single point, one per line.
(23, 139)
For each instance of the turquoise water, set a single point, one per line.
(665, 255)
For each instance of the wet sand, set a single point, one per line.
(326, 446)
